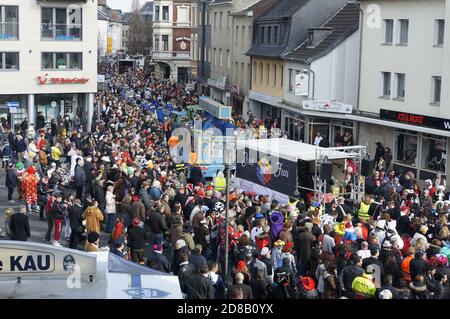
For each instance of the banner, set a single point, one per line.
(302, 84)
(258, 168)
(110, 45)
(327, 106)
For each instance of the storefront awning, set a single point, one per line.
(414, 128)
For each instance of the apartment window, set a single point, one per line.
(165, 13)
(269, 34)
(157, 43)
(220, 19)
(436, 90)
(165, 42)
(261, 72)
(291, 84)
(404, 29)
(263, 30)
(9, 22)
(241, 73)
(209, 54)
(61, 24)
(388, 31)
(281, 77)
(215, 19)
(254, 71)
(215, 57)
(400, 78)
(386, 84)
(228, 19)
(275, 34)
(157, 13)
(183, 14)
(274, 75)
(61, 61)
(439, 32)
(220, 58)
(243, 35)
(228, 59)
(268, 74)
(248, 74)
(237, 34)
(9, 60)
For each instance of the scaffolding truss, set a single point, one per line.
(353, 153)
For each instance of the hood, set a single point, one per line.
(417, 289)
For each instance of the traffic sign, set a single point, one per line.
(13, 106)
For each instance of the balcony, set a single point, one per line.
(9, 31)
(61, 32)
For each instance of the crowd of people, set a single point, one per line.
(117, 187)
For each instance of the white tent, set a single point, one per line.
(33, 270)
(291, 150)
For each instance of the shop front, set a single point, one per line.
(304, 126)
(13, 108)
(264, 105)
(54, 105)
(418, 143)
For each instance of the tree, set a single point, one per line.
(136, 34)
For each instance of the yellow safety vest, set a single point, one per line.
(363, 213)
(364, 286)
(220, 183)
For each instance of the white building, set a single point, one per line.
(48, 59)
(404, 72)
(328, 60)
(109, 30)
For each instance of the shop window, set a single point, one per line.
(406, 152)
(434, 153)
(318, 129)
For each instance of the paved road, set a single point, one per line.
(38, 228)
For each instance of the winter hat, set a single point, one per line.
(180, 244)
(157, 247)
(31, 170)
(264, 251)
(92, 237)
(279, 243)
(259, 216)
(136, 221)
(385, 294)
(135, 198)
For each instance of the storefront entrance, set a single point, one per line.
(54, 105)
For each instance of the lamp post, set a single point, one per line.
(229, 148)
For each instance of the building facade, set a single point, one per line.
(172, 39)
(48, 59)
(204, 46)
(109, 31)
(327, 61)
(404, 71)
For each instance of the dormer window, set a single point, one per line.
(317, 35)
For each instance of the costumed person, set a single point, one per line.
(29, 185)
(20, 171)
(276, 224)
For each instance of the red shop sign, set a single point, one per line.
(46, 80)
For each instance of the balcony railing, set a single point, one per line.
(61, 32)
(9, 31)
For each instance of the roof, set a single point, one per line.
(291, 150)
(343, 24)
(126, 17)
(297, 16)
(147, 8)
(257, 7)
(220, 2)
(283, 9)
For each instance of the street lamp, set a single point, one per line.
(229, 161)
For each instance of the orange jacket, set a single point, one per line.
(404, 266)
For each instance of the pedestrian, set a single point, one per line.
(80, 177)
(8, 214)
(92, 242)
(29, 184)
(11, 181)
(136, 240)
(76, 224)
(58, 210)
(19, 225)
(93, 217)
(156, 260)
(110, 209)
(198, 286)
